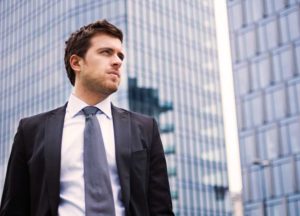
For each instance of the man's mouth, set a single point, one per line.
(115, 73)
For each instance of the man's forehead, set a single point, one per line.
(105, 40)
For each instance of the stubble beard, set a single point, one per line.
(103, 87)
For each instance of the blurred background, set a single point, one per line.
(222, 78)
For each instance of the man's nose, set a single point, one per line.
(117, 61)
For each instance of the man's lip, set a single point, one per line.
(115, 73)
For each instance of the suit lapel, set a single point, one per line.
(53, 137)
(122, 132)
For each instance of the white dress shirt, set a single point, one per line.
(71, 175)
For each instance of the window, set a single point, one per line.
(242, 80)
(283, 64)
(286, 59)
(253, 110)
(294, 136)
(260, 73)
(297, 51)
(282, 184)
(292, 99)
(264, 71)
(236, 18)
(246, 189)
(277, 208)
(248, 149)
(293, 22)
(247, 43)
(250, 41)
(254, 10)
(274, 6)
(256, 184)
(289, 25)
(268, 142)
(294, 206)
(255, 210)
(276, 103)
(298, 172)
(268, 35)
(294, 96)
(271, 34)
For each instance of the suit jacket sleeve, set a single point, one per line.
(159, 197)
(15, 198)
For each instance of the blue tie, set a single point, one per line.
(98, 191)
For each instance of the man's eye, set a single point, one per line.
(121, 56)
(105, 52)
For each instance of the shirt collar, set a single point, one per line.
(75, 105)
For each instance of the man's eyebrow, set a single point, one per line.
(120, 53)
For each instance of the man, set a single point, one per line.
(88, 157)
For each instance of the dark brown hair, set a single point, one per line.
(79, 41)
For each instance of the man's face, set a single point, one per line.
(100, 69)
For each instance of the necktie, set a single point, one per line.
(98, 190)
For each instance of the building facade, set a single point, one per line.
(171, 72)
(265, 45)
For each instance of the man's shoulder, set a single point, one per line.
(40, 117)
(134, 116)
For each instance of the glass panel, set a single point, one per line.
(248, 11)
(279, 103)
(242, 80)
(255, 211)
(262, 145)
(293, 210)
(255, 185)
(284, 29)
(262, 38)
(241, 47)
(277, 210)
(297, 49)
(287, 63)
(250, 43)
(285, 146)
(276, 68)
(246, 190)
(264, 71)
(269, 6)
(247, 113)
(271, 30)
(294, 134)
(250, 150)
(257, 109)
(298, 174)
(268, 181)
(278, 190)
(279, 4)
(271, 138)
(236, 16)
(297, 88)
(254, 76)
(292, 98)
(286, 170)
(269, 107)
(293, 22)
(257, 9)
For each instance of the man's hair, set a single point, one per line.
(79, 41)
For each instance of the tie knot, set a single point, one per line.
(90, 110)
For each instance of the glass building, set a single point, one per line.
(265, 44)
(171, 72)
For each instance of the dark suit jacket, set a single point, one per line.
(33, 174)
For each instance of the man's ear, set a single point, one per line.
(75, 63)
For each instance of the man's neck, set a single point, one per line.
(88, 97)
